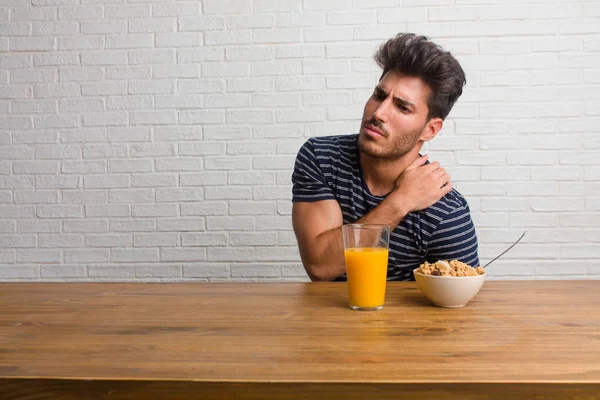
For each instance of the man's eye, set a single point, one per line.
(379, 96)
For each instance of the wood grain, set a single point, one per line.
(296, 340)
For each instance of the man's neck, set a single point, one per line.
(380, 175)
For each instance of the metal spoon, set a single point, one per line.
(501, 254)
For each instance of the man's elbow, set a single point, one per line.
(316, 274)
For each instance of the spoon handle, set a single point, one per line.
(501, 254)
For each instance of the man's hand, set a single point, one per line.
(422, 185)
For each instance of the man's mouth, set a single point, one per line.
(373, 131)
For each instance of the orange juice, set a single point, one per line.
(366, 269)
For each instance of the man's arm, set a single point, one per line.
(317, 225)
(318, 228)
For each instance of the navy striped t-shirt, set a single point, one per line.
(329, 168)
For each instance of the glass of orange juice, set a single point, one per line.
(366, 248)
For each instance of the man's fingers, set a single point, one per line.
(447, 188)
(418, 162)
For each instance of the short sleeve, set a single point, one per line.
(309, 184)
(455, 238)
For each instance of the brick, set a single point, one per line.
(155, 240)
(179, 101)
(20, 272)
(254, 271)
(53, 58)
(12, 211)
(35, 167)
(81, 105)
(151, 87)
(287, 239)
(203, 178)
(154, 210)
(38, 256)
(253, 239)
(106, 240)
(231, 69)
(18, 92)
(83, 167)
(127, 11)
(226, 100)
(7, 226)
(153, 180)
(182, 254)
(134, 255)
(160, 56)
(227, 163)
(201, 148)
(226, 7)
(79, 12)
(227, 193)
(158, 271)
(180, 224)
(129, 103)
(59, 211)
(33, 137)
(150, 25)
(38, 75)
(132, 225)
(153, 117)
(205, 270)
(178, 194)
(105, 151)
(105, 181)
(117, 166)
(60, 240)
(17, 182)
(250, 177)
(113, 210)
(226, 133)
(57, 121)
(272, 192)
(201, 54)
(17, 241)
(177, 133)
(203, 239)
(35, 197)
(230, 254)
(112, 272)
(202, 117)
(87, 42)
(235, 22)
(286, 51)
(56, 90)
(86, 135)
(129, 72)
(202, 23)
(57, 182)
(218, 223)
(63, 271)
(178, 164)
(273, 162)
(131, 196)
(33, 106)
(222, 38)
(204, 208)
(85, 226)
(277, 254)
(255, 147)
(250, 85)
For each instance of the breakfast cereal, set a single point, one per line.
(449, 268)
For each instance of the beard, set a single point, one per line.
(399, 144)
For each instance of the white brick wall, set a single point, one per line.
(155, 140)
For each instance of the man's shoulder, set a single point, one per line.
(451, 204)
(342, 143)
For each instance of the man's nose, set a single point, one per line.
(382, 111)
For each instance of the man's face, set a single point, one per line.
(395, 117)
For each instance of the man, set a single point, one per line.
(378, 175)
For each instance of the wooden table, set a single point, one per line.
(516, 339)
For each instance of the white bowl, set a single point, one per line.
(449, 291)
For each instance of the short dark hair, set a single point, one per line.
(417, 56)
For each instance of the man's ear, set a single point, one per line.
(433, 126)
